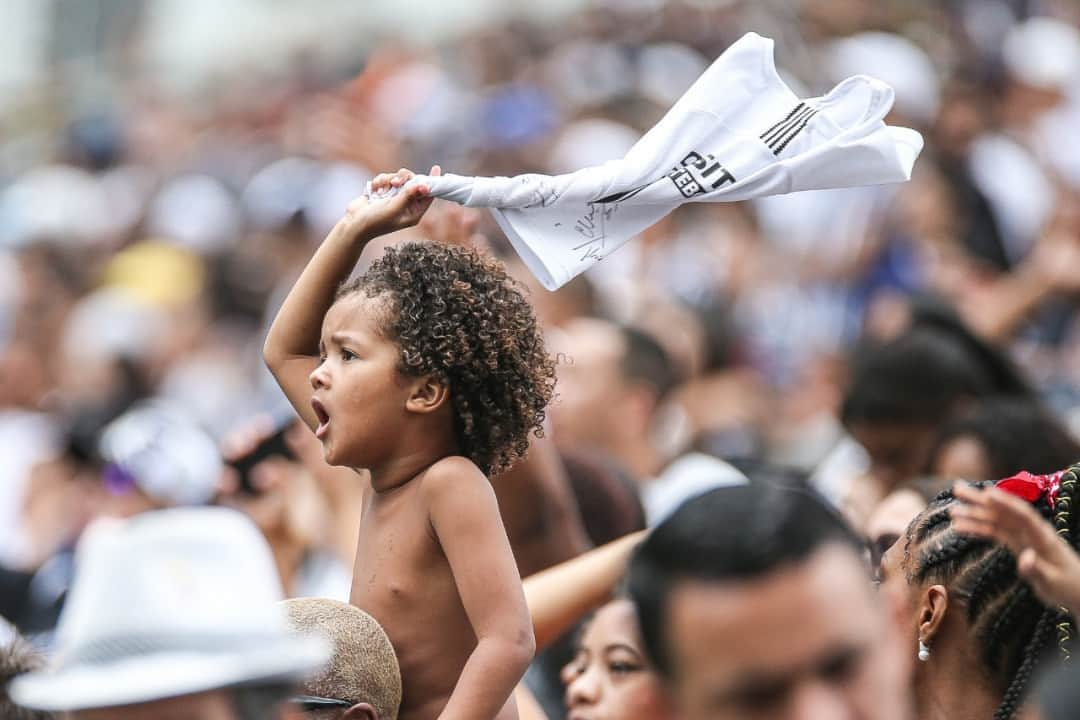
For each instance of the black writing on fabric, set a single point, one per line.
(698, 174)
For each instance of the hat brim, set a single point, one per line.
(163, 675)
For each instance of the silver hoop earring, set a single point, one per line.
(924, 651)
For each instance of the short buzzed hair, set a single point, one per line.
(737, 533)
(364, 668)
(17, 657)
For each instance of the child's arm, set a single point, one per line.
(560, 596)
(291, 350)
(465, 518)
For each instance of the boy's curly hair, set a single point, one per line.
(459, 316)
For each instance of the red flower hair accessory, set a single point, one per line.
(1032, 487)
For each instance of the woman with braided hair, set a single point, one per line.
(976, 612)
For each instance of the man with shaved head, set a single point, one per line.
(362, 680)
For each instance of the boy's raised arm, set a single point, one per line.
(291, 350)
(465, 518)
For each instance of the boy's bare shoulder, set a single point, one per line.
(455, 489)
(453, 474)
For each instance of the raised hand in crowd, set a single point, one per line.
(1043, 559)
(379, 215)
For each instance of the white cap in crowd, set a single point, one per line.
(1043, 53)
(164, 453)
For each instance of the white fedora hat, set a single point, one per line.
(165, 604)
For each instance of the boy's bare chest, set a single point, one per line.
(403, 579)
(397, 558)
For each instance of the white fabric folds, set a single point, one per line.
(738, 133)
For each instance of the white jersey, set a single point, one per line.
(738, 133)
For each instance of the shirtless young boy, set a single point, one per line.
(430, 373)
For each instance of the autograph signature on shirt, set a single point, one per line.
(544, 193)
(593, 227)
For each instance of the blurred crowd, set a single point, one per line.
(869, 341)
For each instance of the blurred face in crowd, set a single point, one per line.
(898, 451)
(962, 457)
(890, 519)
(204, 706)
(610, 677)
(591, 388)
(893, 577)
(810, 640)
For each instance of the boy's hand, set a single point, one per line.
(374, 215)
(1043, 558)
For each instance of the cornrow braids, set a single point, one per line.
(1063, 523)
(1002, 628)
(1012, 629)
(1015, 693)
(941, 517)
(990, 581)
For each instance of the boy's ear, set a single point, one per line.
(427, 394)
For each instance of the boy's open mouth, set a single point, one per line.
(323, 417)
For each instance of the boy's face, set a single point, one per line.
(359, 395)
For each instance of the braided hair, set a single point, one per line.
(1013, 630)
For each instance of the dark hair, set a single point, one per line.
(458, 316)
(16, 658)
(645, 360)
(731, 533)
(977, 228)
(722, 339)
(606, 494)
(1015, 434)
(920, 376)
(1012, 629)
